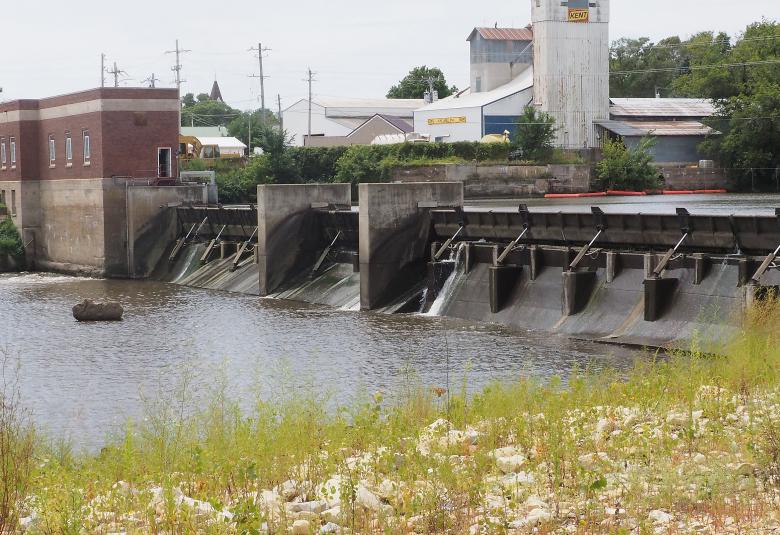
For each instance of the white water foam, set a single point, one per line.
(27, 279)
(448, 290)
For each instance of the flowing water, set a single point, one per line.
(83, 381)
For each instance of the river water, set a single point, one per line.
(83, 381)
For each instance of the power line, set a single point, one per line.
(116, 72)
(151, 81)
(310, 79)
(260, 51)
(177, 68)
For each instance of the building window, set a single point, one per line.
(3, 155)
(13, 152)
(13, 202)
(52, 153)
(87, 147)
(68, 149)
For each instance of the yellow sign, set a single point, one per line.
(447, 120)
(579, 15)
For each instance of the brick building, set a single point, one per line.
(67, 163)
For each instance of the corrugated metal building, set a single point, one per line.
(674, 122)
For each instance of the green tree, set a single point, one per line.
(750, 142)
(276, 147)
(239, 127)
(208, 113)
(415, 84)
(534, 136)
(188, 100)
(701, 75)
(640, 67)
(628, 168)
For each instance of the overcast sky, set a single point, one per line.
(357, 48)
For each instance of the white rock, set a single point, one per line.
(317, 506)
(439, 426)
(659, 517)
(535, 502)
(535, 517)
(332, 515)
(330, 527)
(289, 490)
(699, 458)
(301, 527)
(508, 451)
(387, 489)
(330, 491)
(520, 478)
(268, 499)
(509, 465)
(368, 499)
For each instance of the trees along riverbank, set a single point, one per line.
(685, 444)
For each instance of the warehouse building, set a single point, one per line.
(675, 123)
(339, 117)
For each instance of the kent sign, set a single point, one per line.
(579, 10)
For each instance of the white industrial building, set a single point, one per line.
(339, 117)
(469, 116)
(560, 65)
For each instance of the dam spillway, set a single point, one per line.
(659, 279)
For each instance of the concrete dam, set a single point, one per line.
(659, 280)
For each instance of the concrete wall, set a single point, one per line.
(503, 180)
(152, 225)
(282, 221)
(687, 178)
(394, 236)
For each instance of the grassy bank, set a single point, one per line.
(680, 445)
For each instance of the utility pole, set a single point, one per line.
(151, 80)
(279, 107)
(310, 79)
(177, 68)
(260, 51)
(116, 72)
(102, 70)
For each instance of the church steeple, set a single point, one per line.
(216, 94)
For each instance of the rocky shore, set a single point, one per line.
(700, 468)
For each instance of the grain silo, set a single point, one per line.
(571, 67)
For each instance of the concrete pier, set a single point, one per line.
(395, 235)
(284, 237)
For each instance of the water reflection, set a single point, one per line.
(84, 380)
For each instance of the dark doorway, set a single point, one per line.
(164, 163)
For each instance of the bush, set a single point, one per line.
(364, 163)
(626, 168)
(10, 240)
(240, 185)
(534, 137)
(17, 440)
(315, 164)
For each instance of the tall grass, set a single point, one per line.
(642, 430)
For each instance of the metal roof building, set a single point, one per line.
(338, 117)
(660, 108)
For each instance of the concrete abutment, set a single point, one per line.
(394, 235)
